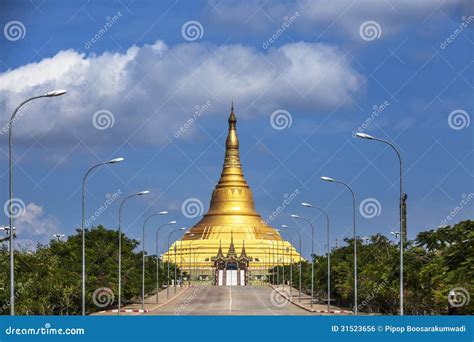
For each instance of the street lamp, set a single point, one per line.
(170, 223)
(143, 253)
(169, 236)
(312, 252)
(328, 179)
(7, 230)
(395, 234)
(273, 257)
(83, 205)
(191, 264)
(403, 219)
(58, 236)
(181, 258)
(299, 234)
(307, 205)
(290, 284)
(10, 201)
(278, 258)
(145, 192)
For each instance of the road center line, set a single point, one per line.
(230, 298)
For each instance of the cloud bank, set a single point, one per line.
(342, 17)
(147, 92)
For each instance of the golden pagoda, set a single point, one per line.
(231, 224)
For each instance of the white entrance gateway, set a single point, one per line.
(231, 270)
(231, 278)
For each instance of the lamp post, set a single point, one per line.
(175, 263)
(58, 236)
(6, 229)
(312, 252)
(168, 283)
(181, 259)
(83, 223)
(266, 260)
(277, 261)
(120, 246)
(402, 205)
(307, 205)
(290, 284)
(143, 253)
(11, 215)
(299, 235)
(328, 179)
(273, 258)
(158, 259)
(191, 265)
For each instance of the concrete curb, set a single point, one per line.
(170, 299)
(186, 288)
(309, 309)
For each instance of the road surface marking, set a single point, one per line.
(230, 298)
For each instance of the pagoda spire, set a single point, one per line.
(232, 194)
(219, 252)
(232, 253)
(243, 254)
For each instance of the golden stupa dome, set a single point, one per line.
(232, 215)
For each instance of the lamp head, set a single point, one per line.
(115, 160)
(327, 179)
(57, 92)
(364, 136)
(285, 226)
(171, 222)
(143, 192)
(304, 204)
(182, 228)
(163, 212)
(295, 216)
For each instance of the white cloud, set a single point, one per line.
(35, 225)
(342, 16)
(153, 89)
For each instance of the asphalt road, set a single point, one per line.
(229, 300)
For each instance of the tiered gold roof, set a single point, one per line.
(232, 212)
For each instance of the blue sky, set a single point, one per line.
(310, 61)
